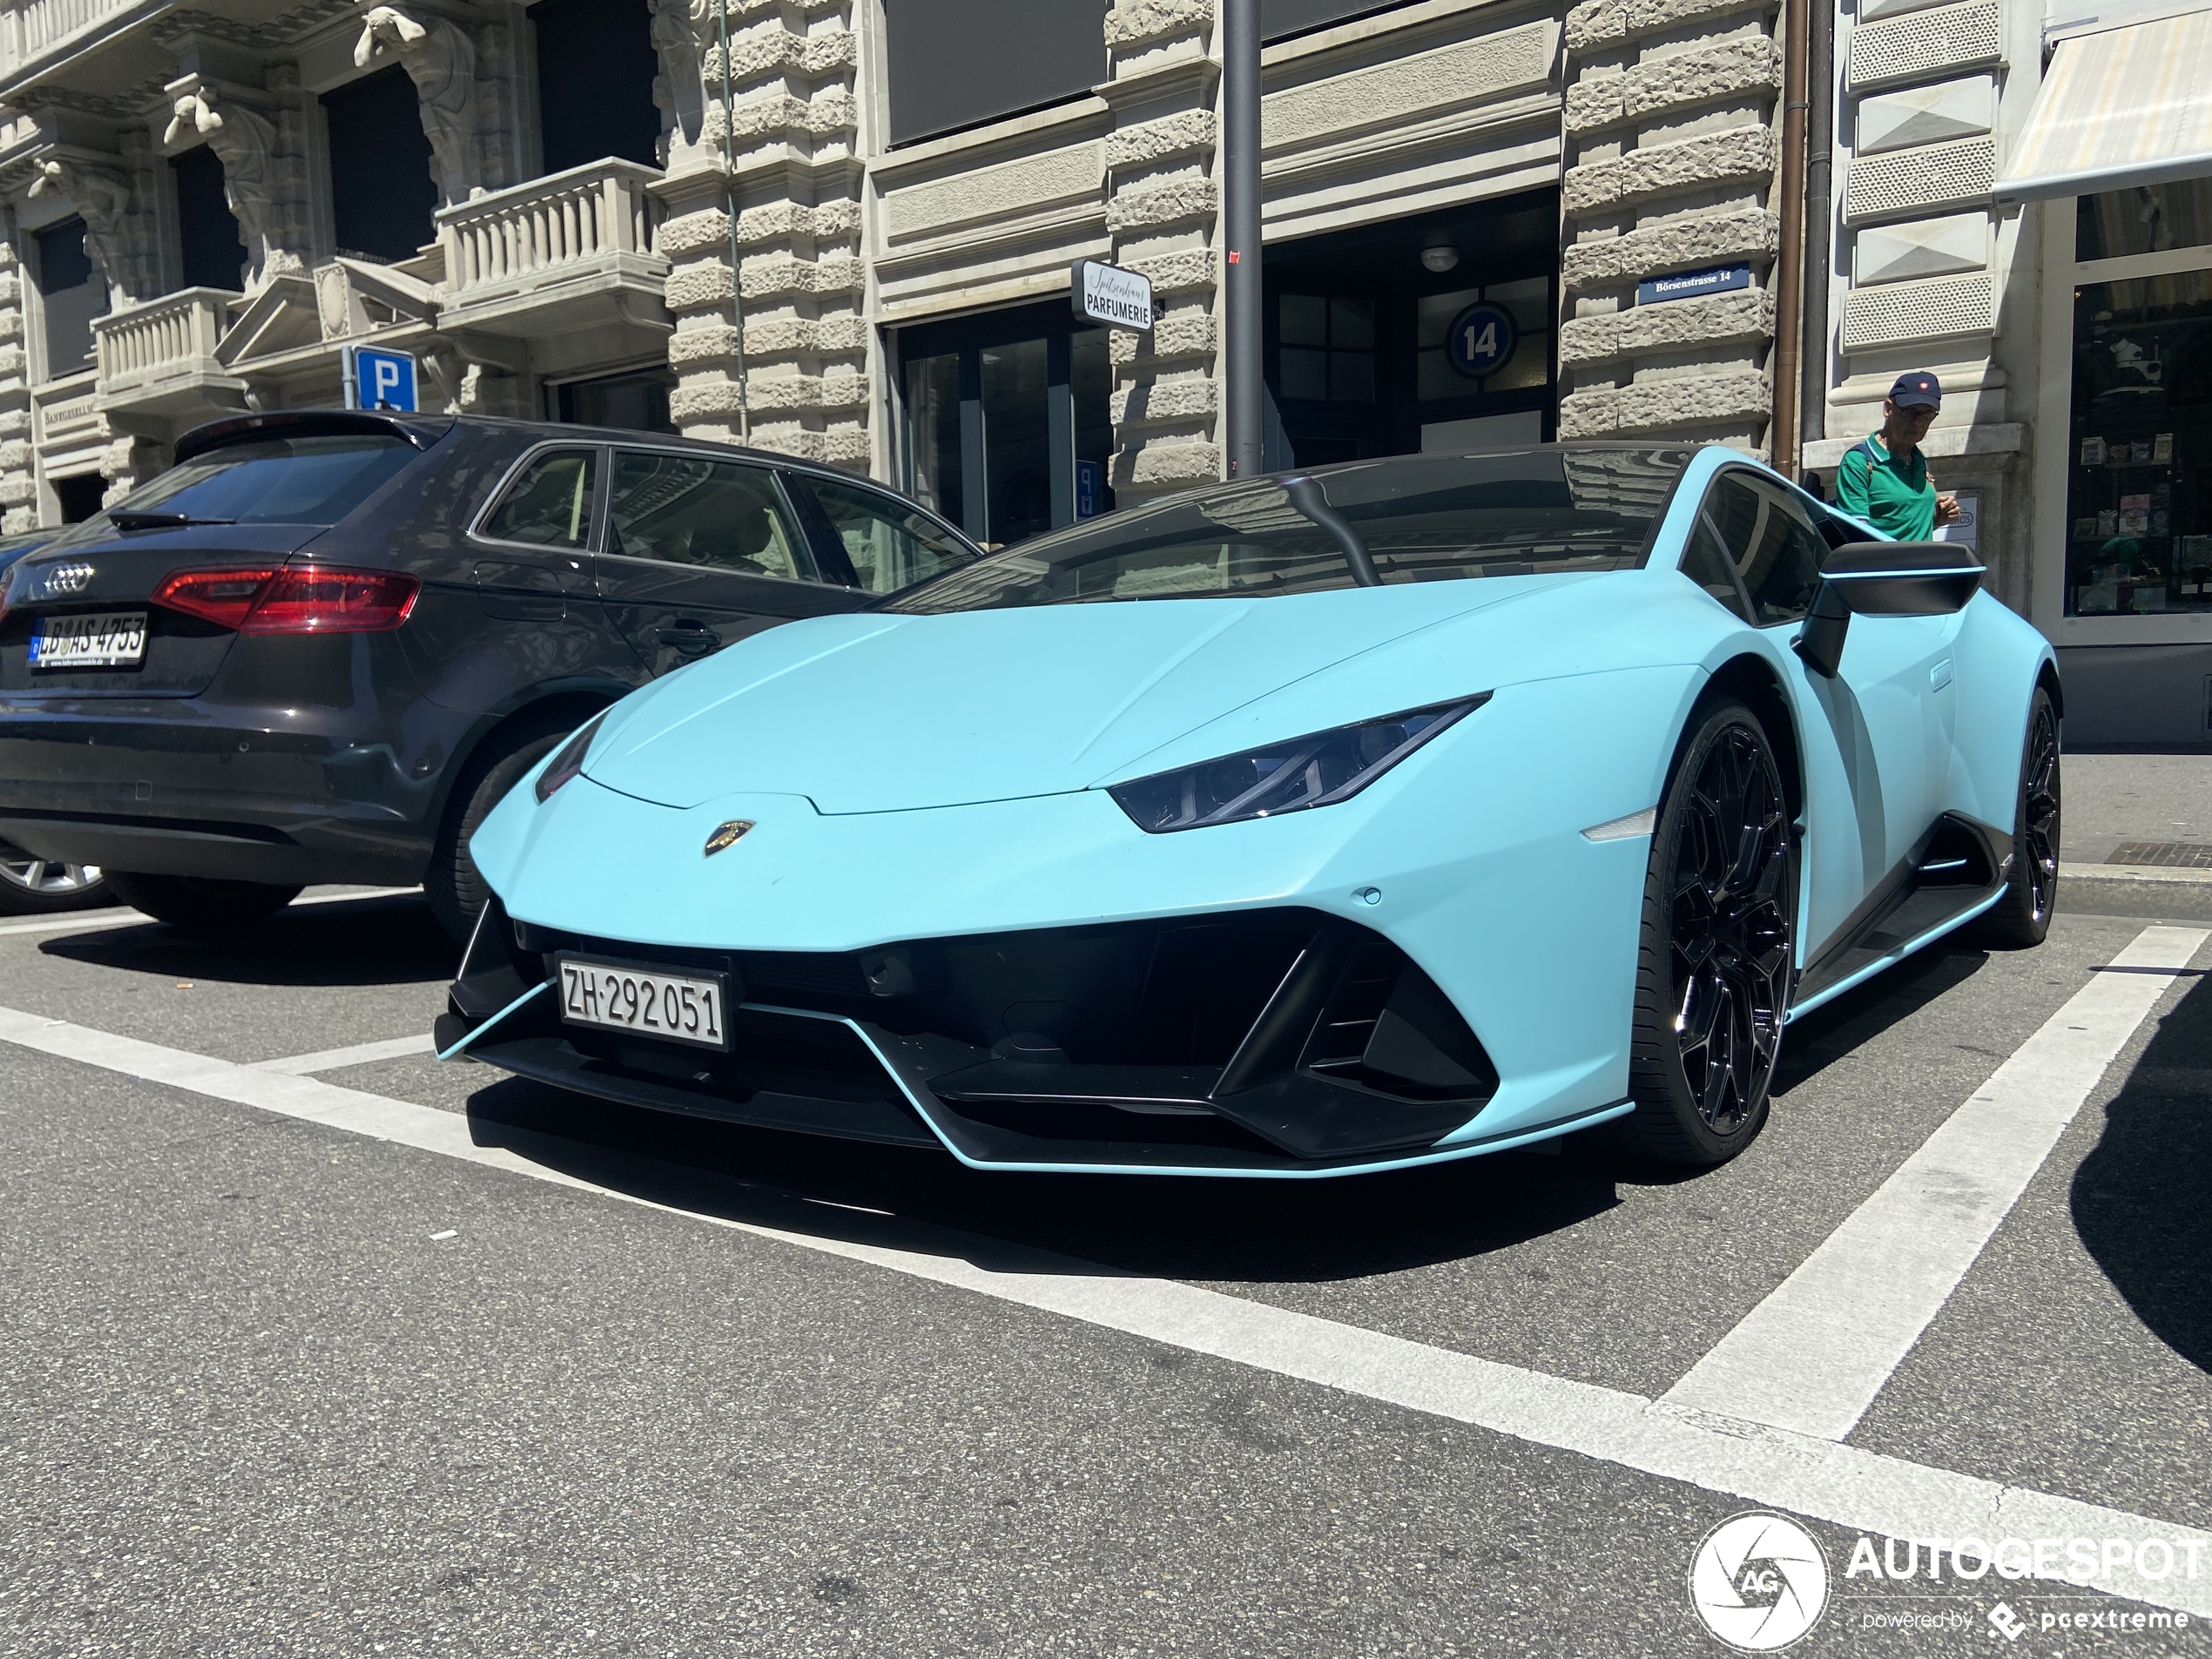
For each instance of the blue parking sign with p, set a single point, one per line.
(380, 380)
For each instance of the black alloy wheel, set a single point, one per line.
(2022, 917)
(1714, 972)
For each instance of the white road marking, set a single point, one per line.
(1841, 1484)
(361, 1053)
(90, 921)
(1813, 1355)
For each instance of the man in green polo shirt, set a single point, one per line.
(1883, 479)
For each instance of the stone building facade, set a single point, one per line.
(842, 237)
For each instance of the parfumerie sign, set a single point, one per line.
(1106, 293)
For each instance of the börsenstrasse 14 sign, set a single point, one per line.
(1106, 293)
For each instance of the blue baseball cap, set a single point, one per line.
(1917, 390)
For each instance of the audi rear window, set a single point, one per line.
(304, 480)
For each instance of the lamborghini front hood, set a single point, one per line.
(884, 713)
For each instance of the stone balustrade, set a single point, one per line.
(567, 223)
(173, 335)
(30, 28)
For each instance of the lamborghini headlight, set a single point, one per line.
(1318, 770)
(569, 760)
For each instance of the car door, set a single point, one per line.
(1876, 735)
(701, 552)
(530, 551)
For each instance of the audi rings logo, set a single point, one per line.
(64, 579)
(1759, 1582)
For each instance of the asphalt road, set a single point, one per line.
(372, 1355)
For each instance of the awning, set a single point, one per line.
(2126, 106)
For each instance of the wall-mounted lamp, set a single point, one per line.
(1440, 260)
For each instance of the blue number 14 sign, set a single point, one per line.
(380, 380)
(1482, 337)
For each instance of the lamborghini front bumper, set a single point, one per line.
(1273, 1041)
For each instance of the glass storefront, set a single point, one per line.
(1007, 429)
(2138, 505)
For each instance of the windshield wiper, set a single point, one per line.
(159, 521)
(1306, 496)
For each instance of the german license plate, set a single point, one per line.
(675, 1007)
(108, 639)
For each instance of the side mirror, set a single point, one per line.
(1884, 579)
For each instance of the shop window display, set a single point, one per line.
(2139, 507)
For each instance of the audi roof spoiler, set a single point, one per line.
(421, 431)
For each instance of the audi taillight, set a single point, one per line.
(304, 599)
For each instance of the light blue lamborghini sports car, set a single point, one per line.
(1395, 811)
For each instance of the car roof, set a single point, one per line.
(424, 430)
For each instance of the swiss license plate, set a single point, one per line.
(676, 1006)
(108, 639)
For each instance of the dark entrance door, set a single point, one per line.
(1360, 342)
(1008, 431)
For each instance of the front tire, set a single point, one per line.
(2021, 918)
(1713, 966)
(200, 904)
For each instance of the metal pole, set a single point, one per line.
(1242, 396)
(730, 206)
(1788, 266)
(1820, 143)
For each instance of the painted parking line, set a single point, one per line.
(1813, 1355)
(1818, 1477)
(359, 1054)
(91, 920)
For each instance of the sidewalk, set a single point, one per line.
(2137, 836)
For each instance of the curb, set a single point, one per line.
(2136, 890)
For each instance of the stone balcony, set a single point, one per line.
(160, 357)
(31, 28)
(569, 250)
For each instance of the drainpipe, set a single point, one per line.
(1790, 261)
(1241, 399)
(1820, 151)
(730, 202)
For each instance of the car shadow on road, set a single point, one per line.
(381, 939)
(2139, 1199)
(1252, 1231)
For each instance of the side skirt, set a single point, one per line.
(1955, 872)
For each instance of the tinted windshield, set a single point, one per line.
(270, 481)
(1410, 519)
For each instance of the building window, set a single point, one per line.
(2139, 507)
(382, 190)
(71, 292)
(634, 402)
(957, 62)
(596, 65)
(78, 496)
(1328, 351)
(214, 256)
(2145, 219)
(1528, 302)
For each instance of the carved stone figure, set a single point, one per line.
(102, 198)
(677, 88)
(245, 143)
(440, 60)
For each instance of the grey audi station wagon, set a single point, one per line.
(321, 646)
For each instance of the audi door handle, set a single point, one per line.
(690, 638)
